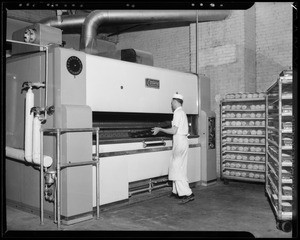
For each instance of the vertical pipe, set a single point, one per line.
(42, 177)
(36, 150)
(197, 57)
(28, 124)
(58, 175)
(55, 200)
(46, 79)
(97, 174)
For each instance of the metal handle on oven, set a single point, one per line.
(154, 144)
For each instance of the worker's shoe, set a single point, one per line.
(173, 195)
(187, 199)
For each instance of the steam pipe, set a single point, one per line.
(90, 24)
(68, 23)
(94, 20)
(28, 124)
(36, 149)
(19, 154)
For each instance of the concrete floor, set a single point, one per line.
(236, 207)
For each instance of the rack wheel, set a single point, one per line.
(285, 226)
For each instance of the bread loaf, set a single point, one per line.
(252, 149)
(239, 132)
(246, 149)
(261, 176)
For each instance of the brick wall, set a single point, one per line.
(170, 47)
(273, 41)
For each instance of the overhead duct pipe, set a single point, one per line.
(67, 23)
(91, 24)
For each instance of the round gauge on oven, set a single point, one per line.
(74, 65)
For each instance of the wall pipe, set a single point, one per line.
(29, 104)
(36, 145)
(19, 155)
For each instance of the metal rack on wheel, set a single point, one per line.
(279, 145)
(243, 137)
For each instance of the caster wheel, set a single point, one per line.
(286, 226)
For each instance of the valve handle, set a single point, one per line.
(27, 85)
(50, 110)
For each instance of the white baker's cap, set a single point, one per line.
(179, 96)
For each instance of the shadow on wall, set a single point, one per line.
(268, 70)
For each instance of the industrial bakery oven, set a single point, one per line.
(70, 89)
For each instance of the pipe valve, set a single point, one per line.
(39, 113)
(31, 85)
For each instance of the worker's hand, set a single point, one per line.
(155, 130)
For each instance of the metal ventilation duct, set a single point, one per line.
(91, 24)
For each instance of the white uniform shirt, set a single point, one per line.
(180, 121)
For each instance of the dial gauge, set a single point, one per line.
(74, 65)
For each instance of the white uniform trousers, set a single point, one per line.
(182, 188)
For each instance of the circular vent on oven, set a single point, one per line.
(74, 65)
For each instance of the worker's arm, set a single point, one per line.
(172, 130)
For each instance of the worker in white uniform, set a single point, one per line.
(178, 161)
